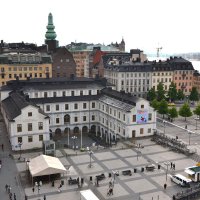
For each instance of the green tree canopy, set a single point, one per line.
(151, 95)
(155, 104)
(160, 92)
(185, 111)
(172, 92)
(194, 96)
(197, 110)
(163, 107)
(173, 113)
(180, 95)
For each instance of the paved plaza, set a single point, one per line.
(143, 185)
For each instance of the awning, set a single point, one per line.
(190, 172)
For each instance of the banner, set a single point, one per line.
(142, 117)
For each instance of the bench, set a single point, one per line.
(150, 167)
(100, 177)
(72, 181)
(127, 172)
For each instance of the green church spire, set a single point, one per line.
(50, 34)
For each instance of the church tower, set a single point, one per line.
(122, 45)
(50, 35)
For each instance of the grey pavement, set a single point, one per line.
(8, 173)
(141, 185)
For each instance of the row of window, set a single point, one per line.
(76, 119)
(136, 82)
(30, 138)
(24, 75)
(29, 127)
(141, 131)
(72, 93)
(162, 73)
(135, 74)
(19, 68)
(76, 106)
(184, 72)
(162, 80)
(135, 89)
(184, 78)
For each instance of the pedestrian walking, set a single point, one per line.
(9, 189)
(110, 184)
(6, 187)
(33, 189)
(174, 166)
(14, 196)
(25, 198)
(44, 197)
(165, 186)
(171, 165)
(10, 195)
(2, 147)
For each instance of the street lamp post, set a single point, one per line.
(74, 138)
(197, 118)
(164, 125)
(189, 133)
(167, 164)
(38, 185)
(90, 154)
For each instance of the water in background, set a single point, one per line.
(195, 63)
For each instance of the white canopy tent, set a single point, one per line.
(45, 165)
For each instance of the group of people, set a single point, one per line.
(12, 196)
(110, 189)
(172, 166)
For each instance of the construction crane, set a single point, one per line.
(158, 51)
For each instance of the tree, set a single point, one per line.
(194, 96)
(197, 110)
(173, 113)
(151, 95)
(155, 104)
(185, 111)
(163, 107)
(172, 92)
(180, 95)
(160, 92)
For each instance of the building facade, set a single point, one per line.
(16, 65)
(134, 79)
(183, 74)
(81, 105)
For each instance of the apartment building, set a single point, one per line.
(16, 65)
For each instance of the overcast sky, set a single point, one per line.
(144, 24)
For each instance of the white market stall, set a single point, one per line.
(44, 165)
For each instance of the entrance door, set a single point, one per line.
(133, 136)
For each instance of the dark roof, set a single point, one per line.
(15, 103)
(137, 67)
(64, 99)
(54, 83)
(122, 96)
(168, 65)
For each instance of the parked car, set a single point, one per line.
(181, 180)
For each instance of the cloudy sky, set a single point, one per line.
(144, 24)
